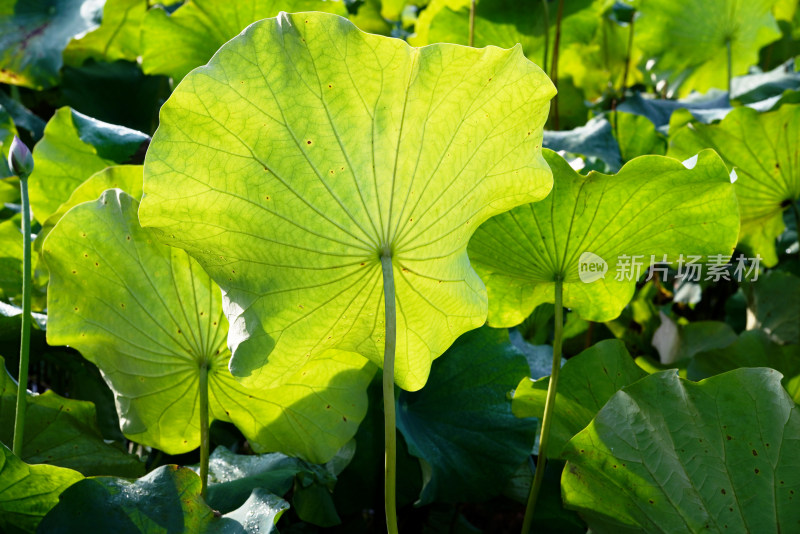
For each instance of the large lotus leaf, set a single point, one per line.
(175, 44)
(62, 432)
(669, 455)
(33, 35)
(763, 149)
(165, 500)
(653, 207)
(461, 426)
(28, 492)
(689, 38)
(773, 305)
(116, 38)
(752, 349)
(149, 316)
(586, 382)
(73, 148)
(307, 148)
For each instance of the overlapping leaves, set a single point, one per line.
(149, 317)
(306, 149)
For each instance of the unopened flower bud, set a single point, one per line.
(20, 159)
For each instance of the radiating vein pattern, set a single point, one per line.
(764, 151)
(653, 208)
(150, 317)
(306, 148)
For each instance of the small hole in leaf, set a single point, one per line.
(755, 452)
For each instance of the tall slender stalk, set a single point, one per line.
(627, 58)
(549, 404)
(24, 346)
(554, 62)
(796, 223)
(730, 66)
(205, 442)
(390, 433)
(20, 161)
(472, 23)
(546, 18)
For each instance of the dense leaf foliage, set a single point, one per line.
(568, 228)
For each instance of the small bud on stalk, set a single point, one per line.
(20, 159)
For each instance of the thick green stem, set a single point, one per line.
(472, 23)
(549, 404)
(390, 433)
(205, 443)
(24, 346)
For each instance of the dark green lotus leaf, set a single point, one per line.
(593, 139)
(149, 316)
(773, 304)
(175, 44)
(763, 149)
(117, 93)
(116, 38)
(676, 342)
(752, 349)
(586, 382)
(313, 120)
(766, 86)
(232, 477)
(654, 207)
(460, 425)
(34, 34)
(73, 148)
(670, 455)
(705, 108)
(63, 432)
(689, 39)
(28, 492)
(165, 500)
(22, 116)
